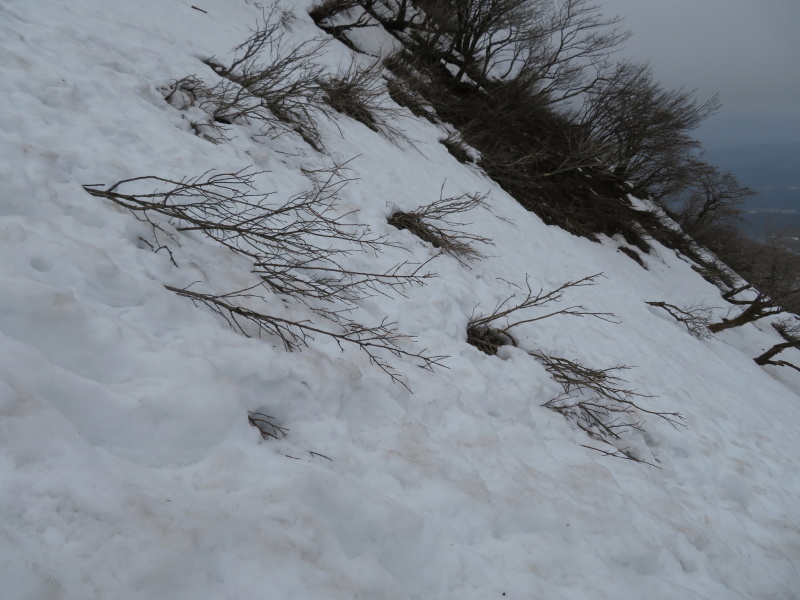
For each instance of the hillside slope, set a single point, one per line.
(129, 469)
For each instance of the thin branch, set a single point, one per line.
(432, 223)
(372, 340)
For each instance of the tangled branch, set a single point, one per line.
(296, 246)
(482, 333)
(598, 402)
(372, 340)
(696, 318)
(432, 224)
(360, 93)
(268, 83)
(266, 425)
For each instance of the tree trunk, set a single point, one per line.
(754, 312)
(766, 358)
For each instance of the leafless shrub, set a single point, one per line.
(488, 340)
(268, 83)
(599, 402)
(266, 425)
(296, 246)
(360, 93)
(337, 17)
(696, 317)
(326, 9)
(412, 100)
(631, 253)
(789, 330)
(485, 335)
(432, 224)
(457, 148)
(376, 341)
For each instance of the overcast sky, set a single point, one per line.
(747, 50)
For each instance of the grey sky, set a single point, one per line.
(747, 50)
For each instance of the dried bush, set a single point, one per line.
(412, 100)
(631, 253)
(360, 93)
(432, 224)
(457, 148)
(486, 336)
(267, 83)
(598, 402)
(696, 317)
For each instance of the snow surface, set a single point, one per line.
(129, 469)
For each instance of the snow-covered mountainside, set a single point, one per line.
(129, 468)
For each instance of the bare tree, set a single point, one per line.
(712, 199)
(554, 44)
(645, 125)
(789, 330)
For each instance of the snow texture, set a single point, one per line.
(129, 469)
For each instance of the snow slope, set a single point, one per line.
(129, 469)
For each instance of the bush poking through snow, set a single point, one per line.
(268, 84)
(431, 223)
(485, 335)
(360, 93)
(457, 148)
(595, 400)
(598, 402)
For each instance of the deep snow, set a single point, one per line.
(129, 469)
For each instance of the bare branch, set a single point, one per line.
(598, 402)
(296, 246)
(432, 224)
(696, 318)
(268, 83)
(375, 341)
(266, 425)
(540, 299)
(789, 330)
